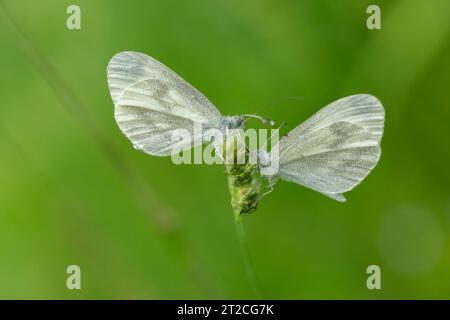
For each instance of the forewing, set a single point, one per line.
(362, 109)
(332, 159)
(127, 68)
(151, 110)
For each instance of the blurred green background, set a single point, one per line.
(74, 191)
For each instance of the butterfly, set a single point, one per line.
(152, 102)
(331, 152)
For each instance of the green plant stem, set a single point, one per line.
(245, 254)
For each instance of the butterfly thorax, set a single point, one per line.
(232, 122)
(264, 163)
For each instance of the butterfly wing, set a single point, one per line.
(127, 68)
(336, 196)
(152, 101)
(334, 150)
(150, 112)
(364, 110)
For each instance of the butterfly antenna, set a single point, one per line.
(262, 119)
(270, 138)
(267, 120)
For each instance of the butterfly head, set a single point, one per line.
(261, 157)
(233, 122)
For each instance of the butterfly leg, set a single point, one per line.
(270, 189)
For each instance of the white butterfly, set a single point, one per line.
(334, 150)
(151, 102)
(331, 152)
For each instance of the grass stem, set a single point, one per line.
(240, 230)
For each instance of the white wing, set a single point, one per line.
(126, 68)
(362, 109)
(152, 101)
(336, 196)
(331, 160)
(336, 148)
(149, 111)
